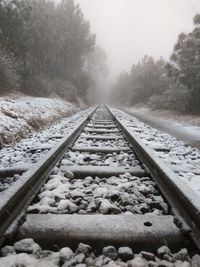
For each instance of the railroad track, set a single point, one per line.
(101, 186)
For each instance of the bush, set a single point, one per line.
(64, 89)
(9, 72)
(37, 86)
(175, 98)
(43, 87)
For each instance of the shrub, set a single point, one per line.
(9, 72)
(42, 86)
(175, 98)
(64, 89)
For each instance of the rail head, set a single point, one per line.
(22, 192)
(185, 203)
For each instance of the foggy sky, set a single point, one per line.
(129, 29)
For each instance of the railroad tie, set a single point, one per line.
(141, 231)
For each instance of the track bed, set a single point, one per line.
(100, 191)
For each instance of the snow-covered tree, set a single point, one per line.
(185, 64)
(47, 40)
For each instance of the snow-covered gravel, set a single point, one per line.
(114, 159)
(31, 149)
(64, 193)
(115, 195)
(180, 157)
(126, 194)
(102, 129)
(92, 123)
(7, 181)
(101, 143)
(28, 253)
(117, 134)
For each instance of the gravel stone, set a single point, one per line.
(84, 248)
(27, 246)
(125, 253)
(71, 262)
(182, 264)
(148, 256)
(137, 262)
(44, 254)
(182, 255)
(85, 255)
(113, 195)
(162, 251)
(65, 254)
(64, 162)
(106, 260)
(80, 258)
(110, 252)
(99, 261)
(69, 174)
(168, 257)
(115, 210)
(7, 250)
(196, 260)
(105, 206)
(90, 261)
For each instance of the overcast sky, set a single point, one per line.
(129, 29)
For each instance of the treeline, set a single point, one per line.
(165, 85)
(44, 48)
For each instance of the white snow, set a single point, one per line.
(185, 127)
(99, 195)
(100, 159)
(83, 142)
(85, 255)
(20, 115)
(29, 150)
(180, 157)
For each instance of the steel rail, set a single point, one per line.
(184, 202)
(15, 200)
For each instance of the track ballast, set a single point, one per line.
(106, 191)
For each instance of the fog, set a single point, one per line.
(68, 62)
(129, 29)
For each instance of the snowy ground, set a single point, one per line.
(183, 127)
(20, 115)
(28, 253)
(127, 194)
(180, 157)
(31, 149)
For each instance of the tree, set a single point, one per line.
(9, 77)
(97, 71)
(146, 78)
(48, 41)
(185, 64)
(121, 89)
